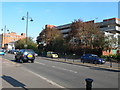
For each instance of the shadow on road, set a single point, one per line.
(18, 61)
(103, 69)
(14, 82)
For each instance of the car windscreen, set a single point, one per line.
(95, 56)
(54, 53)
(29, 51)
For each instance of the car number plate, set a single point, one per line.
(30, 56)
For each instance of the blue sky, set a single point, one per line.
(54, 13)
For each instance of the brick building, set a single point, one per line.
(7, 39)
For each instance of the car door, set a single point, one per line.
(88, 58)
(92, 58)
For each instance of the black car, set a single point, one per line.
(25, 55)
(92, 58)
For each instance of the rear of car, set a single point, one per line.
(25, 55)
(52, 54)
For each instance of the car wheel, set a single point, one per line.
(82, 61)
(51, 56)
(21, 61)
(94, 62)
(32, 61)
(16, 59)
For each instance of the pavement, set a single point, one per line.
(17, 77)
(108, 66)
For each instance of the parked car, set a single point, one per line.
(25, 55)
(11, 51)
(2, 52)
(92, 58)
(15, 52)
(52, 54)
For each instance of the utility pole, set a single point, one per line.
(4, 36)
(23, 18)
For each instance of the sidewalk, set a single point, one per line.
(15, 76)
(115, 66)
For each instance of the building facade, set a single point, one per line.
(111, 27)
(7, 39)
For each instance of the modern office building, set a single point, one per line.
(7, 39)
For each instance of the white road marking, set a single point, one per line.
(64, 69)
(40, 63)
(49, 81)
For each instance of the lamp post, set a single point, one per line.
(23, 18)
(3, 37)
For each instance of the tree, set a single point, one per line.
(85, 35)
(20, 44)
(52, 38)
(111, 41)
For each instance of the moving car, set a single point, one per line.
(25, 55)
(52, 54)
(2, 52)
(92, 58)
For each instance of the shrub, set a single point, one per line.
(114, 56)
(118, 57)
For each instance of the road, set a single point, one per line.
(69, 75)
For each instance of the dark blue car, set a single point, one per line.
(92, 58)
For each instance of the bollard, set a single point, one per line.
(109, 58)
(73, 57)
(110, 62)
(89, 83)
(65, 56)
(95, 62)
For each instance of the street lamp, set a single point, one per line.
(4, 31)
(23, 18)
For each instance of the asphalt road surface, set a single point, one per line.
(69, 75)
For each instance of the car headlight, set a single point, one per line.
(25, 53)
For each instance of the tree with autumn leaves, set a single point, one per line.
(51, 39)
(85, 36)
